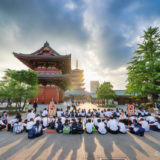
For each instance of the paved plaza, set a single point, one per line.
(82, 147)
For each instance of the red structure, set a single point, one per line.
(54, 73)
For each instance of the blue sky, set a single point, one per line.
(101, 34)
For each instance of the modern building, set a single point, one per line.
(54, 72)
(77, 79)
(93, 86)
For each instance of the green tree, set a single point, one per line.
(105, 91)
(144, 68)
(19, 86)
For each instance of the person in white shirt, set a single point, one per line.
(63, 119)
(101, 127)
(89, 126)
(30, 124)
(108, 113)
(101, 115)
(155, 126)
(146, 113)
(112, 126)
(144, 124)
(95, 122)
(30, 115)
(38, 118)
(59, 113)
(121, 127)
(150, 119)
(46, 121)
(45, 112)
(2, 125)
(83, 113)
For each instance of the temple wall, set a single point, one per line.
(47, 93)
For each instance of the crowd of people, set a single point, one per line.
(78, 121)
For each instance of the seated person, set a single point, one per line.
(30, 115)
(150, 119)
(45, 112)
(108, 113)
(18, 126)
(5, 117)
(121, 127)
(30, 124)
(112, 126)
(83, 114)
(89, 126)
(123, 118)
(59, 126)
(144, 124)
(46, 121)
(80, 126)
(101, 127)
(2, 124)
(74, 127)
(136, 128)
(39, 129)
(38, 117)
(95, 121)
(14, 120)
(155, 126)
(66, 127)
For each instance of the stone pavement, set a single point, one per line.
(81, 147)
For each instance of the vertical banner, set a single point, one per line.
(130, 109)
(52, 110)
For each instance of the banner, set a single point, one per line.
(130, 109)
(52, 110)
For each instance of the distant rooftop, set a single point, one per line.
(94, 95)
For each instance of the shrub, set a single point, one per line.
(148, 105)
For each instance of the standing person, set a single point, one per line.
(35, 105)
(52, 102)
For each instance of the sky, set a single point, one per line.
(101, 34)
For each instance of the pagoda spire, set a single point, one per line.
(76, 63)
(46, 44)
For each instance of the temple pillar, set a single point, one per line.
(61, 95)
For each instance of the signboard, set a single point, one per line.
(130, 109)
(52, 110)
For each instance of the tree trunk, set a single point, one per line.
(24, 104)
(107, 102)
(20, 106)
(16, 106)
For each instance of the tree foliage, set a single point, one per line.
(105, 91)
(144, 68)
(19, 86)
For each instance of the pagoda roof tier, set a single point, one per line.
(33, 61)
(59, 80)
(46, 57)
(54, 76)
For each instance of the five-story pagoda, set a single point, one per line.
(54, 73)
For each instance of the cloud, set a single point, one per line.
(101, 34)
